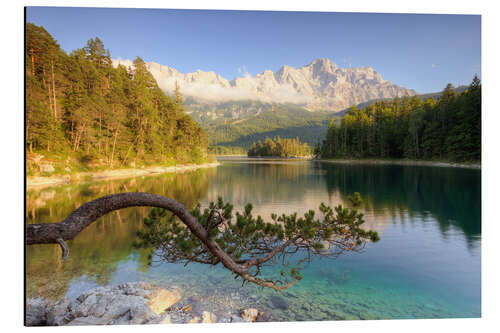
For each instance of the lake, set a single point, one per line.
(426, 265)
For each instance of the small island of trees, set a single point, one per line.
(279, 147)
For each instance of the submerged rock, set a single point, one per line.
(264, 317)
(279, 302)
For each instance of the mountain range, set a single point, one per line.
(320, 85)
(291, 102)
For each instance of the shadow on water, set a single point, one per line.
(451, 195)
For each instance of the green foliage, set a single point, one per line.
(79, 104)
(355, 199)
(226, 150)
(245, 237)
(279, 147)
(446, 128)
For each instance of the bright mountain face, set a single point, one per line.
(321, 85)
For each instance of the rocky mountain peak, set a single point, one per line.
(320, 85)
(322, 65)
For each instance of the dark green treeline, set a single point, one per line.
(448, 128)
(78, 104)
(279, 147)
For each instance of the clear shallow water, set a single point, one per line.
(427, 264)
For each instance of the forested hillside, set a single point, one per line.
(284, 120)
(82, 110)
(447, 128)
(256, 120)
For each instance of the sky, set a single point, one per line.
(417, 51)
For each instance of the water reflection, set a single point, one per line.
(98, 249)
(451, 195)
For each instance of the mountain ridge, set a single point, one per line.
(319, 85)
(287, 121)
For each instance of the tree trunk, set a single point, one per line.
(113, 150)
(49, 94)
(54, 89)
(32, 61)
(100, 132)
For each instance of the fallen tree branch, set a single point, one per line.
(214, 245)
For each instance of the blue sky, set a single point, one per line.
(422, 52)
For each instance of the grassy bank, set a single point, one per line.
(43, 181)
(48, 168)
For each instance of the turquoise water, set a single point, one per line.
(426, 265)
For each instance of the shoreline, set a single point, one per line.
(372, 161)
(476, 166)
(38, 182)
(146, 303)
(264, 158)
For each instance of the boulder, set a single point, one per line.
(250, 315)
(46, 168)
(208, 317)
(237, 319)
(129, 303)
(161, 299)
(36, 312)
(56, 316)
(166, 320)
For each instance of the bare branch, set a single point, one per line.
(64, 248)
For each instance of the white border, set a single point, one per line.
(11, 109)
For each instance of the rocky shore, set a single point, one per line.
(128, 304)
(39, 182)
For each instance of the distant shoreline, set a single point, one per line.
(372, 161)
(403, 162)
(231, 155)
(263, 158)
(38, 182)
